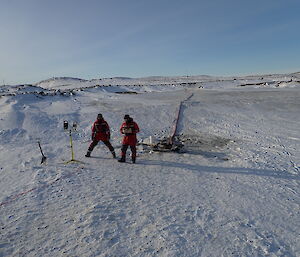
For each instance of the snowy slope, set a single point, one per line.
(234, 191)
(203, 81)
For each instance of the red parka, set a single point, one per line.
(100, 130)
(129, 129)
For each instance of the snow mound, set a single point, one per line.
(59, 82)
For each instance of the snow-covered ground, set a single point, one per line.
(233, 191)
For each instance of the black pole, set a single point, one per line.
(43, 156)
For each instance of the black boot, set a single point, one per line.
(88, 154)
(114, 154)
(133, 159)
(122, 159)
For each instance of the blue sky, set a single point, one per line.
(136, 38)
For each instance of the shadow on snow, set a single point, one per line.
(230, 170)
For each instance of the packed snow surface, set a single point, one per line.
(232, 191)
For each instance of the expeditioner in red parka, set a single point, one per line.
(129, 128)
(100, 132)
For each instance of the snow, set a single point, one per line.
(233, 191)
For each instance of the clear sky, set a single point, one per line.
(89, 39)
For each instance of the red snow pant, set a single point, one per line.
(124, 149)
(95, 142)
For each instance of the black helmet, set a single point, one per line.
(99, 116)
(126, 117)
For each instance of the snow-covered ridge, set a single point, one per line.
(59, 82)
(64, 83)
(204, 81)
(69, 85)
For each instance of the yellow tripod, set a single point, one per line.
(72, 151)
